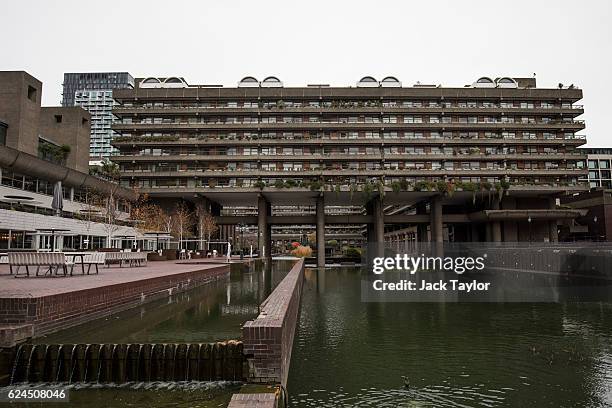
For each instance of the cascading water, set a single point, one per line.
(120, 363)
(16, 364)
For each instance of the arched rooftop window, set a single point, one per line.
(484, 82)
(390, 81)
(506, 82)
(174, 82)
(367, 81)
(248, 81)
(272, 81)
(150, 83)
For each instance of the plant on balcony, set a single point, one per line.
(280, 104)
(352, 189)
(290, 183)
(316, 185)
(380, 187)
(368, 189)
(450, 188)
(421, 186)
(396, 186)
(279, 184)
(486, 186)
(260, 184)
(441, 186)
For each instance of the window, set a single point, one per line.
(58, 118)
(32, 93)
(592, 164)
(3, 131)
(604, 164)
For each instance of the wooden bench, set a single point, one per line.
(50, 260)
(131, 258)
(95, 259)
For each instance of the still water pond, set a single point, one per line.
(212, 312)
(353, 354)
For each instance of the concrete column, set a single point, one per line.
(320, 232)
(553, 236)
(474, 232)
(263, 229)
(379, 221)
(510, 227)
(421, 228)
(435, 220)
(496, 233)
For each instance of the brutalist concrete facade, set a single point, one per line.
(484, 162)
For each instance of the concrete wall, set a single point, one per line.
(268, 340)
(20, 96)
(68, 126)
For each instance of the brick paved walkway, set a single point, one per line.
(11, 287)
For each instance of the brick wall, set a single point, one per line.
(253, 401)
(55, 312)
(268, 340)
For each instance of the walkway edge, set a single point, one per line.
(268, 340)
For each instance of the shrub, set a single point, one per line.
(352, 252)
(302, 251)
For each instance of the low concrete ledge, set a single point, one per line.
(267, 400)
(11, 335)
(268, 340)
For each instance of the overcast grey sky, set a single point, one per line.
(312, 41)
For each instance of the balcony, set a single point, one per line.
(160, 127)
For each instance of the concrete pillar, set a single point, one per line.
(510, 227)
(496, 233)
(320, 232)
(421, 228)
(435, 220)
(263, 229)
(553, 235)
(474, 236)
(379, 221)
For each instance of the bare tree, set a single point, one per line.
(182, 222)
(90, 210)
(110, 212)
(207, 225)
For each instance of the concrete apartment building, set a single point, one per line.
(484, 162)
(93, 91)
(596, 224)
(43, 146)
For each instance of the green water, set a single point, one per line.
(353, 354)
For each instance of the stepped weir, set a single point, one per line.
(121, 363)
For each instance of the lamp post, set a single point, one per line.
(241, 228)
(529, 221)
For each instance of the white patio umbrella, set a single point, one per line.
(58, 198)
